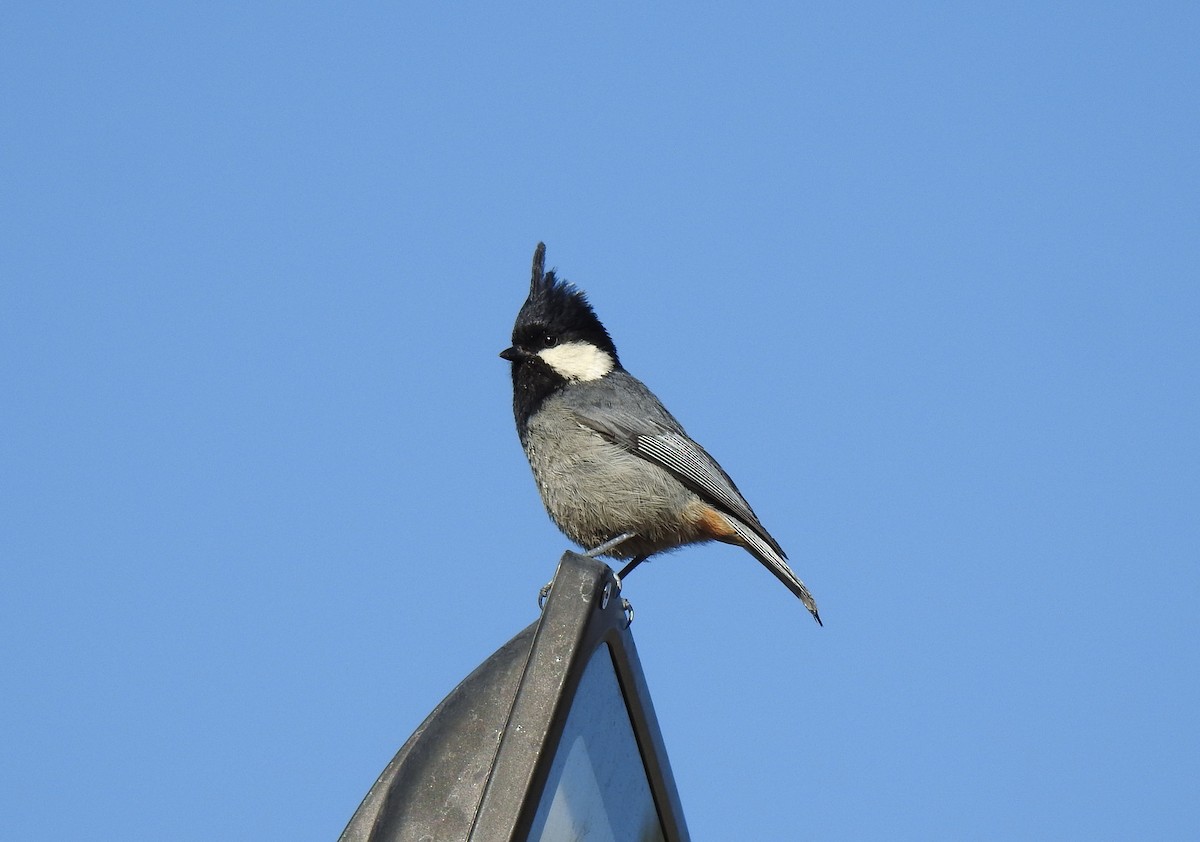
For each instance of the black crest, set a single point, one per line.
(557, 311)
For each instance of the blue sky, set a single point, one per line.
(924, 279)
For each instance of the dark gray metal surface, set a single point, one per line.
(476, 767)
(431, 788)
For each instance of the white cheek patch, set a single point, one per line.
(578, 360)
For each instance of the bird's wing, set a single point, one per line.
(663, 443)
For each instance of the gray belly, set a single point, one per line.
(595, 490)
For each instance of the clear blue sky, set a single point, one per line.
(924, 279)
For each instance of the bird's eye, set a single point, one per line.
(549, 340)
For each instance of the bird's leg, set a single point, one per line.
(609, 545)
(592, 553)
(625, 571)
(628, 568)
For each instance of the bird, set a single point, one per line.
(616, 472)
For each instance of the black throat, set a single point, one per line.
(533, 383)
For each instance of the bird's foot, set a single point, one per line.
(543, 593)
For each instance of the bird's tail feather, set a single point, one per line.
(776, 563)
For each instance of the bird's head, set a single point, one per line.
(557, 334)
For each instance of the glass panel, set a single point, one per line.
(597, 789)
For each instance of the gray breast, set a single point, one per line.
(595, 489)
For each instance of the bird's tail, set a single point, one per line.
(776, 563)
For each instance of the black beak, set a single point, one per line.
(511, 354)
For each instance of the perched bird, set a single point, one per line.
(616, 471)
